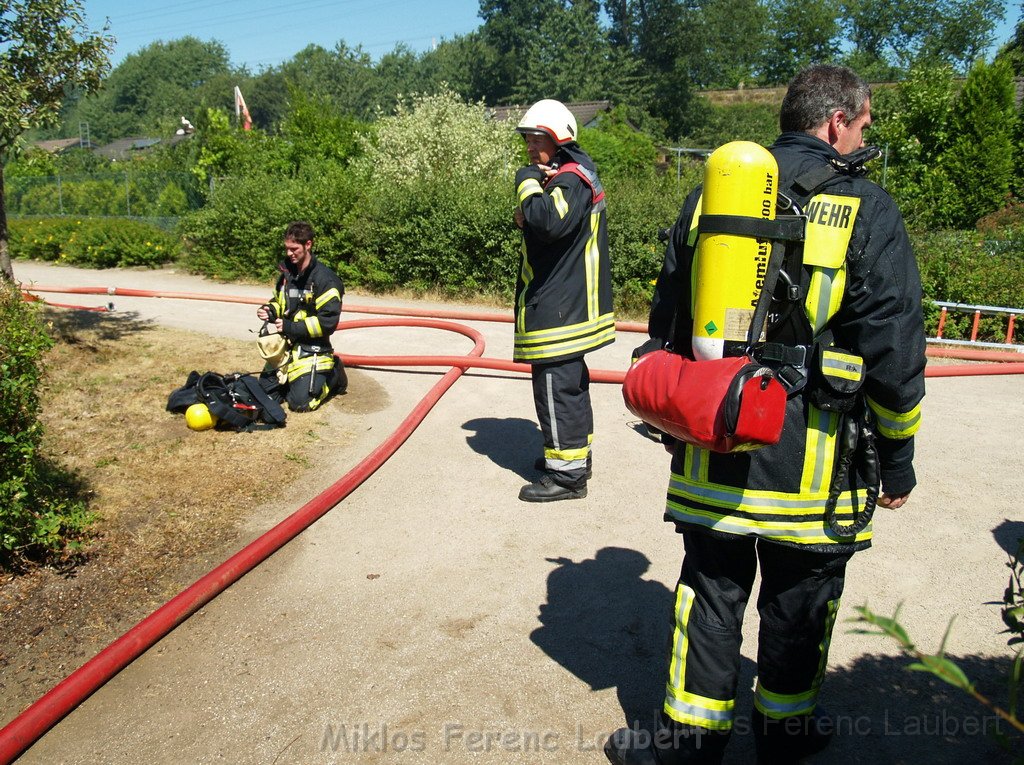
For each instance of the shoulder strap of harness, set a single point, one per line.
(589, 177)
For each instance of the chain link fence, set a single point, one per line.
(153, 196)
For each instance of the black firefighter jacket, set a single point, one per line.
(867, 291)
(564, 289)
(310, 304)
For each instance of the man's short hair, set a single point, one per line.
(817, 93)
(298, 231)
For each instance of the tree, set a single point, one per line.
(889, 36)
(979, 161)
(463, 64)
(508, 28)
(152, 89)
(735, 42)
(45, 51)
(802, 32)
(570, 58)
(1013, 51)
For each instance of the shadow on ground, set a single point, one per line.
(610, 627)
(1009, 535)
(511, 443)
(65, 324)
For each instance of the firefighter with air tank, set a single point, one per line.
(844, 334)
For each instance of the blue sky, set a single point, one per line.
(264, 33)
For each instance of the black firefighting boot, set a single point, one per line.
(541, 464)
(551, 487)
(670, 744)
(338, 379)
(789, 740)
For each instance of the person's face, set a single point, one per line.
(850, 135)
(540, 147)
(298, 253)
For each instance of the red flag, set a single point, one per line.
(242, 111)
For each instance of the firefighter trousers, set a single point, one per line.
(561, 393)
(797, 603)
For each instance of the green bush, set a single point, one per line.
(974, 268)
(735, 122)
(38, 515)
(637, 210)
(238, 235)
(131, 194)
(92, 242)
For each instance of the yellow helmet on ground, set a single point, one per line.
(199, 417)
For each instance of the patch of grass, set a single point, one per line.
(159, 487)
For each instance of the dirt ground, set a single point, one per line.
(432, 617)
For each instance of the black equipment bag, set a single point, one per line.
(237, 400)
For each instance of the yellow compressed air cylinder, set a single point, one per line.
(740, 178)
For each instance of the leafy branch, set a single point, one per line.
(947, 670)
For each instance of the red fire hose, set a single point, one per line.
(25, 729)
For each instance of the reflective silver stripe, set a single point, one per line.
(551, 410)
(719, 719)
(842, 365)
(313, 327)
(529, 352)
(782, 705)
(750, 500)
(327, 297)
(568, 331)
(893, 424)
(684, 602)
(803, 532)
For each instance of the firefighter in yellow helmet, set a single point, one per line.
(563, 293)
(849, 315)
(305, 309)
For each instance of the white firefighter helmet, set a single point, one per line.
(551, 118)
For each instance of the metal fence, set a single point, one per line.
(136, 195)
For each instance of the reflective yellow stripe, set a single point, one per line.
(327, 297)
(895, 424)
(592, 264)
(819, 450)
(681, 705)
(529, 188)
(548, 343)
(826, 642)
(561, 206)
(569, 455)
(782, 705)
(695, 463)
(843, 365)
(299, 367)
(782, 516)
(313, 327)
(548, 350)
(680, 642)
(526, 274)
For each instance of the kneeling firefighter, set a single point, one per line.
(305, 310)
(843, 333)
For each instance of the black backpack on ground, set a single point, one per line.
(238, 401)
